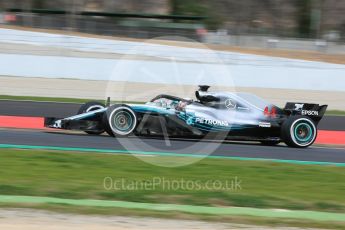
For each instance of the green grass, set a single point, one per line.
(53, 99)
(81, 101)
(48, 99)
(335, 112)
(264, 185)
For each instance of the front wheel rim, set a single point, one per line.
(122, 121)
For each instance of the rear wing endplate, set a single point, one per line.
(314, 111)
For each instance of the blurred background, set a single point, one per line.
(312, 25)
(73, 51)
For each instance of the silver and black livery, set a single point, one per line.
(237, 116)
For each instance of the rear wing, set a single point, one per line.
(314, 111)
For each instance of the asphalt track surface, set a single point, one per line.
(61, 110)
(80, 140)
(233, 149)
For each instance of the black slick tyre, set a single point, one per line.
(299, 132)
(120, 120)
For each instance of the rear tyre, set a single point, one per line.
(120, 120)
(92, 106)
(299, 132)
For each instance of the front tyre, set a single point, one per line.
(299, 132)
(121, 120)
(92, 106)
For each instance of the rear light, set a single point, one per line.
(266, 111)
(272, 113)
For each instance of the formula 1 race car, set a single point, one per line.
(232, 116)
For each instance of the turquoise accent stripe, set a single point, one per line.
(170, 154)
(149, 109)
(229, 211)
